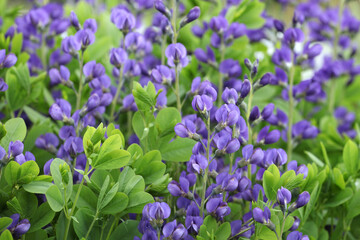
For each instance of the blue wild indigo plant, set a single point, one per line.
(168, 119)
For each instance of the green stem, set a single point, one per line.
(282, 226)
(75, 201)
(335, 53)
(158, 234)
(221, 80)
(118, 90)
(291, 111)
(129, 113)
(177, 89)
(163, 43)
(206, 170)
(249, 105)
(92, 225)
(78, 97)
(112, 227)
(174, 13)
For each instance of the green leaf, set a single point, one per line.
(43, 216)
(54, 198)
(351, 157)
(338, 178)
(103, 189)
(249, 13)
(4, 223)
(16, 43)
(16, 95)
(179, 150)
(84, 218)
(28, 171)
(166, 120)
(117, 204)
(135, 151)
(144, 97)
(28, 203)
(97, 179)
(224, 231)
(124, 178)
(6, 235)
(150, 166)
(137, 201)
(11, 173)
(135, 184)
(271, 179)
(109, 196)
(126, 231)
(14, 206)
(113, 160)
(314, 159)
(340, 198)
(313, 199)
(87, 198)
(39, 187)
(15, 130)
(354, 206)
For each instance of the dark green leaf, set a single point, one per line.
(42, 217)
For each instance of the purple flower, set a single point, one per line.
(225, 143)
(176, 54)
(186, 130)
(173, 231)
(230, 96)
(202, 103)
(205, 57)
(71, 45)
(156, 211)
(301, 169)
(304, 129)
(230, 68)
(60, 110)
(274, 156)
(162, 74)
(227, 115)
(254, 114)
(245, 88)
(90, 24)
(57, 77)
(297, 236)
(293, 35)
(283, 196)
(93, 70)
(218, 24)
(3, 85)
(296, 224)
(15, 148)
(123, 20)
(197, 163)
(74, 21)
(193, 14)
(267, 137)
(18, 228)
(73, 145)
(312, 51)
(118, 56)
(85, 37)
(179, 189)
(48, 141)
(267, 111)
(160, 6)
(303, 199)
(218, 208)
(7, 61)
(261, 216)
